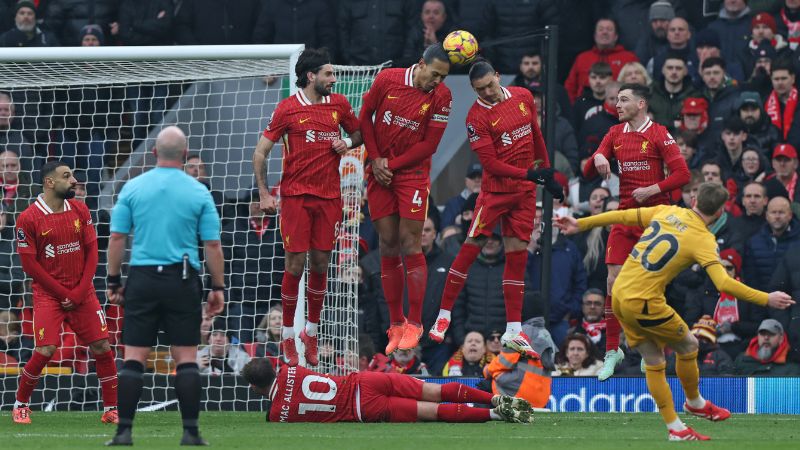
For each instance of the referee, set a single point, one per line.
(166, 209)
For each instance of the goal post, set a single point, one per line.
(99, 109)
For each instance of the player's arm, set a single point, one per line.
(542, 158)
(215, 261)
(121, 225)
(27, 250)
(598, 164)
(367, 127)
(634, 217)
(679, 172)
(351, 126)
(433, 135)
(79, 292)
(267, 202)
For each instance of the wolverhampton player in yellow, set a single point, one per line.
(674, 239)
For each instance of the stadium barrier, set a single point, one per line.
(776, 395)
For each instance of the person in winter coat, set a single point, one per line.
(659, 15)
(470, 359)
(374, 31)
(669, 93)
(434, 24)
(763, 251)
(144, 22)
(297, 21)
(757, 124)
(754, 202)
(25, 32)
(721, 93)
(504, 18)
(767, 353)
(211, 22)
(577, 357)
(787, 278)
(733, 27)
(65, 18)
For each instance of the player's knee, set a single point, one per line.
(389, 247)
(688, 345)
(410, 243)
(100, 347)
(46, 350)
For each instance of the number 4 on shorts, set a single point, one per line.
(417, 200)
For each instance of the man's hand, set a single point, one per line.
(642, 194)
(555, 189)
(724, 328)
(77, 296)
(429, 34)
(380, 168)
(67, 304)
(339, 146)
(114, 27)
(779, 300)
(215, 303)
(267, 203)
(116, 296)
(204, 361)
(602, 165)
(540, 176)
(567, 224)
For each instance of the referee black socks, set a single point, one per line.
(187, 389)
(130, 389)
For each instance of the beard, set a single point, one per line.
(321, 89)
(765, 352)
(69, 194)
(26, 27)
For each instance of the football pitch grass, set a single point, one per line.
(589, 431)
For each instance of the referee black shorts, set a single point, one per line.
(158, 298)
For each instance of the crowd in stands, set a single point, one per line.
(723, 83)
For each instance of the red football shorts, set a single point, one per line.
(620, 243)
(407, 198)
(87, 320)
(309, 222)
(388, 397)
(515, 210)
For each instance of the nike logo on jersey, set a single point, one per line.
(617, 147)
(45, 233)
(392, 97)
(495, 122)
(414, 210)
(304, 120)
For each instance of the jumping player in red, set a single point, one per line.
(57, 244)
(641, 148)
(311, 203)
(411, 107)
(301, 395)
(503, 131)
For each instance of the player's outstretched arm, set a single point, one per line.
(260, 158)
(635, 217)
(728, 285)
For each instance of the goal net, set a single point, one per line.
(99, 110)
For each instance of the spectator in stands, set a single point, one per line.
(567, 278)
(407, 362)
(733, 27)
(599, 119)
(753, 168)
(220, 356)
(760, 61)
(593, 322)
(470, 359)
(728, 151)
(765, 248)
(634, 73)
(577, 357)
(370, 360)
(91, 36)
(372, 32)
(452, 244)
(689, 190)
(711, 360)
(694, 113)
(605, 49)
(757, 124)
(679, 45)
(669, 93)
(708, 45)
(12, 343)
(472, 185)
(12, 138)
(713, 173)
(687, 143)
(144, 22)
(787, 279)
(309, 22)
(767, 353)
(736, 321)
(16, 186)
(754, 202)
(503, 18)
(530, 76)
(784, 182)
(788, 21)
(268, 332)
(66, 17)
(11, 275)
(25, 32)
(493, 343)
(592, 243)
(468, 14)
(721, 94)
(763, 29)
(781, 105)
(207, 22)
(196, 168)
(660, 14)
(254, 267)
(433, 26)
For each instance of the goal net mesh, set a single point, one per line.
(101, 117)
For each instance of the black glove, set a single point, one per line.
(540, 176)
(554, 189)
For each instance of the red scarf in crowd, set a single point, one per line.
(611, 109)
(727, 309)
(793, 28)
(773, 107)
(791, 186)
(594, 330)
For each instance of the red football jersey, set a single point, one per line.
(302, 395)
(58, 240)
(510, 127)
(403, 114)
(310, 166)
(641, 156)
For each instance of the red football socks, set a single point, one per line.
(29, 377)
(417, 277)
(514, 284)
(392, 281)
(107, 375)
(459, 393)
(289, 288)
(317, 284)
(458, 274)
(457, 412)
(613, 328)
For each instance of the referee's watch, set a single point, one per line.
(217, 288)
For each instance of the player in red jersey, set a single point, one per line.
(641, 148)
(411, 107)
(311, 204)
(57, 245)
(504, 132)
(301, 395)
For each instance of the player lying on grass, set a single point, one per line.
(675, 238)
(298, 394)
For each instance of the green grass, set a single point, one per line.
(589, 431)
